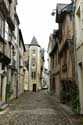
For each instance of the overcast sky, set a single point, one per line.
(36, 20)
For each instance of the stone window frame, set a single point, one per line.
(33, 75)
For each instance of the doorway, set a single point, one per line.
(1, 88)
(53, 82)
(34, 87)
(80, 79)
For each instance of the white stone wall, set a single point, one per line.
(37, 70)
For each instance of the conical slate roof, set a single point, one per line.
(34, 42)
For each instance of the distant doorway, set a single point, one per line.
(34, 87)
(1, 86)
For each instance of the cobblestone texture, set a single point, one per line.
(36, 109)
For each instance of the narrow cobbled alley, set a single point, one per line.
(36, 109)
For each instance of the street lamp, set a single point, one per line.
(53, 12)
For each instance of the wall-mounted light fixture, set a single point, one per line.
(53, 12)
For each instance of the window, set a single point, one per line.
(33, 59)
(10, 34)
(33, 64)
(33, 52)
(3, 67)
(33, 75)
(2, 27)
(6, 31)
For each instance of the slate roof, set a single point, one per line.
(68, 8)
(34, 42)
(61, 9)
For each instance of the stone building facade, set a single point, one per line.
(35, 65)
(64, 16)
(21, 64)
(54, 64)
(79, 47)
(26, 61)
(9, 51)
(61, 49)
(7, 26)
(13, 66)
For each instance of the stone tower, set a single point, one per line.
(34, 65)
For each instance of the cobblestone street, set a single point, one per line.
(36, 109)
